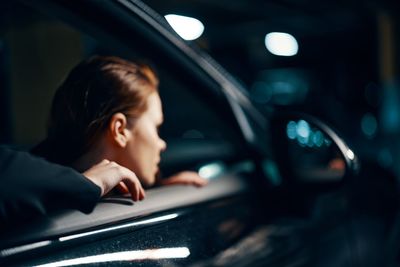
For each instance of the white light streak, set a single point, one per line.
(157, 219)
(188, 28)
(133, 255)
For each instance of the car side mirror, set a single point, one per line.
(307, 150)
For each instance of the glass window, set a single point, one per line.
(38, 51)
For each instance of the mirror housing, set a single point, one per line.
(307, 150)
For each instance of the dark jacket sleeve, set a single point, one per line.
(31, 186)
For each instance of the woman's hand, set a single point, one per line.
(186, 178)
(108, 174)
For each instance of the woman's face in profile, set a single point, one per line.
(142, 153)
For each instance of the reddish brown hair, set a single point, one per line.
(92, 93)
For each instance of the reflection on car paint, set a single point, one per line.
(134, 255)
(149, 221)
(198, 232)
(19, 249)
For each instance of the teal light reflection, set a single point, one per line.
(212, 170)
(369, 125)
(291, 130)
(305, 135)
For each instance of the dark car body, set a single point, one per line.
(250, 214)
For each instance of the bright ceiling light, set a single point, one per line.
(281, 44)
(188, 28)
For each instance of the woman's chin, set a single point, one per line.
(148, 181)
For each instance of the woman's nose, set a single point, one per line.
(163, 145)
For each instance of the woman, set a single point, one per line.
(31, 187)
(109, 109)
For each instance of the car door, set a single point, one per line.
(173, 225)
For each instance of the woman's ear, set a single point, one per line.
(119, 132)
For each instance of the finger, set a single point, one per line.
(104, 162)
(122, 188)
(132, 182)
(136, 189)
(142, 193)
(186, 178)
(200, 180)
(132, 189)
(196, 181)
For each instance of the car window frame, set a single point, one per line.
(233, 185)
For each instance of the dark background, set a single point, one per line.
(346, 71)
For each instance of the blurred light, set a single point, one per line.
(327, 142)
(385, 158)
(291, 130)
(152, 254)
(303, 129)
(318, 138)
(188, 28)
(245, 166)
(285, 86)
(153, 220)
(281, 44)
(272, 172)
(19, 249)
(310, 140)
(261, 92)
(211, 170)
(305, 135)
(390, 108)
(350, 154)
(369, 125)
